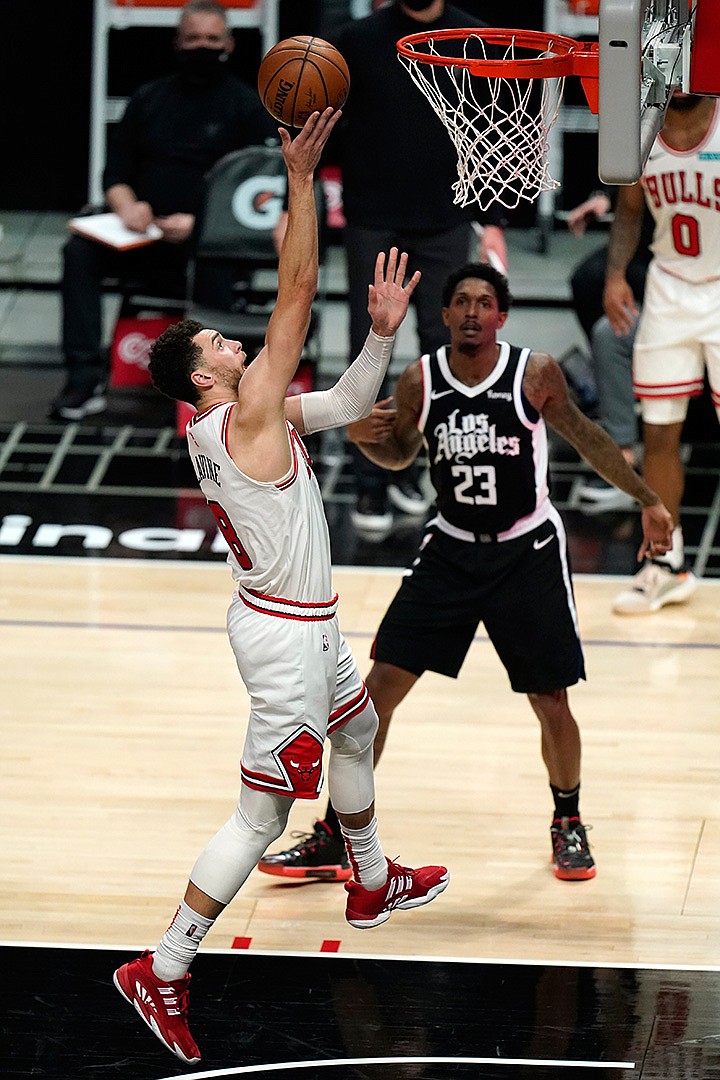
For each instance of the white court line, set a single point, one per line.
(406, 957)
(249, 1070)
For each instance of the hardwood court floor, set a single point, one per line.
(123, 719)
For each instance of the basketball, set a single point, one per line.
(302, 75)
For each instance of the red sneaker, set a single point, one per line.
(404, 888)
(163, 1006)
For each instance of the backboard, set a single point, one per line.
(648, 49)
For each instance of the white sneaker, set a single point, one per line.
(653, 587)
(408, 497)
(595, 496)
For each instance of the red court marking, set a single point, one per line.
(330, 946)
(241, 943)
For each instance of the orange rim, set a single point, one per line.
(567, 56)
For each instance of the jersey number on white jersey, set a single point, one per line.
(230, 536)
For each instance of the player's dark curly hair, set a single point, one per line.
(173, 358)
(486, 273)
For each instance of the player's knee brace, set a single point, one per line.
(350, 769)
(259, 819)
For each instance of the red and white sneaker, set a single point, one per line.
(163, 1006)
(404, 888)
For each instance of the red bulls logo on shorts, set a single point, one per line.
(301, 760)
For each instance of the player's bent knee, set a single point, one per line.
(357, 735)
(262, 813)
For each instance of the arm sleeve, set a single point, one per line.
(354, 394)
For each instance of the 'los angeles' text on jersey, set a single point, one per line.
(487, 447)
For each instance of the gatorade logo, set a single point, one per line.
(134, 348)
(257, 202)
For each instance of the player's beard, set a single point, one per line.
(230, 378)
(684, 104)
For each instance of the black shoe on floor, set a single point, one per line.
(571, 856)
(76, 402)
(318, 855)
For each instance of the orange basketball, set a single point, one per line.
(302, 75)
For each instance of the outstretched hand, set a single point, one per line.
(388, 298)
(302, 153)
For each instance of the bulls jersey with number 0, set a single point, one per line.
(487, 446)
(276, 530)
(682, 190)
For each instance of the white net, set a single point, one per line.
(500, 125)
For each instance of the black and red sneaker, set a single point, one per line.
(163, 1006)
(318, 855)
(571, 856)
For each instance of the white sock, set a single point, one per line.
(675, 557)
(180, 943)
(366, 855)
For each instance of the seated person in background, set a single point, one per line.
(587, 281)
(172, 131)
(611, 353)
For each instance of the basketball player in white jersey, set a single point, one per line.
(678, 335)
(302, 680)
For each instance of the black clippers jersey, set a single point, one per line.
(487, 446)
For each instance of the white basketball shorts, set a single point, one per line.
(678, 336)
(303, 683)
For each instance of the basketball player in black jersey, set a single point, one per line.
(496, 551)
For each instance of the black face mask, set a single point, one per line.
(201, 65)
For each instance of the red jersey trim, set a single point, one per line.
(224, 430)
(648, 391)
(349, 709)
(322, 611)
(201, 415)
(283, 485)
(270, 783)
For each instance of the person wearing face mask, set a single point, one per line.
(172, 131)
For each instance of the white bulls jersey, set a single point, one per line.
(276, 531)
(682, 189)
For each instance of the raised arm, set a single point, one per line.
(545, 388)
(354, 394)
(264, 385)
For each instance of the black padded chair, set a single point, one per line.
(232, 278)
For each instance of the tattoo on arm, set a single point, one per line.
(625, 230)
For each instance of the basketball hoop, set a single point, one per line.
(498, 93)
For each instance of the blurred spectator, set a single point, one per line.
(397, 165)
(172, 131)
(611, 353)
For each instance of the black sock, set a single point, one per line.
(566, 802)
(331, 820)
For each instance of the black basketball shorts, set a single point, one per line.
(520, 589)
